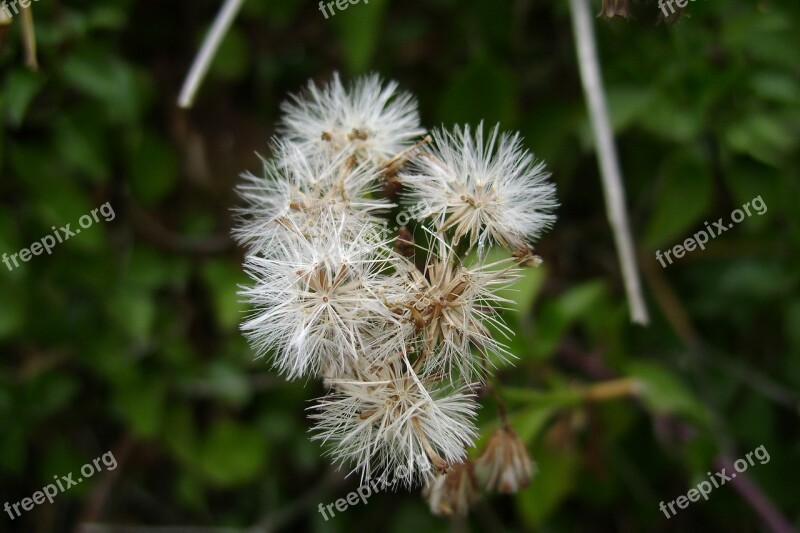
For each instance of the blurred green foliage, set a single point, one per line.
(125, 338)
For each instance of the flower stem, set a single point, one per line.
(610, 173)
(207, 52)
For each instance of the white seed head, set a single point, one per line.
(369, 119)
(387, 422)
(302, 193)
(483, 189)
(453, 305)
(314, 297)
(400, 345)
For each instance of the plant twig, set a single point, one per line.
(202, 62)
(608, 390)
(5, 24)
(610, 173)
(29, 38)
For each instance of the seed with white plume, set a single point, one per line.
(452, 305)
(387, 420)
(483, 189)
(315, 296)
(504, 466)
(297, 192)
(399, 332)
(369, 119)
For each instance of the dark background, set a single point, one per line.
(125, 338)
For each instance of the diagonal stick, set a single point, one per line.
(613, 189)
(207, 52)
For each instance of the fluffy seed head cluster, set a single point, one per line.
(483, 189)
(400, 333)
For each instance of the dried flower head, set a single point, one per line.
(389, 419)
(612, 8)
(453, 492)
(504, 466)
(314, 298)
(300, 193)
(453, 305)
(398, 331)
(484, 190)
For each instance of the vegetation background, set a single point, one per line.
(125, 338)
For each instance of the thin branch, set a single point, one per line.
(207, 52)
(29, 38)
(5, 24)
(607, 154)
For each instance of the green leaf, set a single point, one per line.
(556, 317)
(150, 270)
(550, 485)
(21, 88)
(626, 104)
(667, 119)
(153, 170)
(81, 143)
(182, 435)
(133, 312)
(481, 92)
(776, 86)
(358, 27)
(530, 422)
(683, 196)
(223, 279)
(664, 393)
(233, 454)
(766, 137)
(233, 58)
(96, 72)
(141, 404)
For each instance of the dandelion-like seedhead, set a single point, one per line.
(483, 190)
(389, 420)
(297, 191)
(453, 305)
(370, 119)
(402, 335)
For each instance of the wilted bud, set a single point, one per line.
(525, 257)
(454, 491)
(612, 8)
(504, 465)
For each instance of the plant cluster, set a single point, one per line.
(402, 325)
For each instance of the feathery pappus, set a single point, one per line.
(403, 325)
